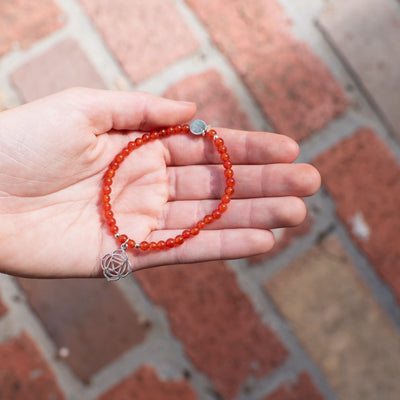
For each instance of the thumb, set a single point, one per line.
(131, 110)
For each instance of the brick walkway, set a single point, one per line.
(319, 317)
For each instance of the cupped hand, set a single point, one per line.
(53, 155)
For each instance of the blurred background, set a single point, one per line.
(318, 317)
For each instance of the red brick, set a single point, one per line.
(62, 66)
(145, 36)
(350, 25)
(302, 389)
(23, 372)
(294, 88)
(216, 103)
(363, 176)
(23, 22)
(283, 240)
(214, 319)
(145, 384)
(88, 317)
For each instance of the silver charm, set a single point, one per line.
(116, 265)
(198, 127)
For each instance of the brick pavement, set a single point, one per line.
(319, 316)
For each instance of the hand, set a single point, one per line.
(54, 152)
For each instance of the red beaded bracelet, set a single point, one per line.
(116, 264)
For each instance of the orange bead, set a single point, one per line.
(228, 164)
(211, 133)
(230, 182)
(138, 142)
(170, 131)
(161, 244)
(153, 246)
(146, 137)
(219, 142)
(179, 239)
(108, 214)
(125, 152)
(110, 173)
(224, 157)
(186, 128)
(225, 199)
(222, 207)
(108, 181)
(228, 173)
(122, 238)
(154, 135)
(106, 198)
(110, 221)
(106, 206)
(186, 234)
(216, 214)
(144, 245)
(178, 128)
(106, 189)
(208, 219)
(131, 243)
(201, 224)
(131, 146)
(119, 158)
(194, 231)
(222, 149)
(114, 229)
(170, 243)
(114, 165)
(163, 132)
(229, 190)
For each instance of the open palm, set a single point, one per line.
(53, 154)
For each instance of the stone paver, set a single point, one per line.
(216, 322)
(145, 384)
(24, 374)
(363, 176)
(216, 103)
(23, 22)
(294, 88)
(89, 318)
(366, 33)
(302, 389)
(339, 323)
(131, 31)
(63, 66)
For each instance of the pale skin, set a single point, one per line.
(53, 155)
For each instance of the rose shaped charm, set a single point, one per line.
(116, 265)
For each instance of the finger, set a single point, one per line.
(124, 110)
(251, 181)
(243, 148)
(206, 246)
(264, 213)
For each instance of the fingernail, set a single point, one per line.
(187, 102)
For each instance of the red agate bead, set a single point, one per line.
(197, 128)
